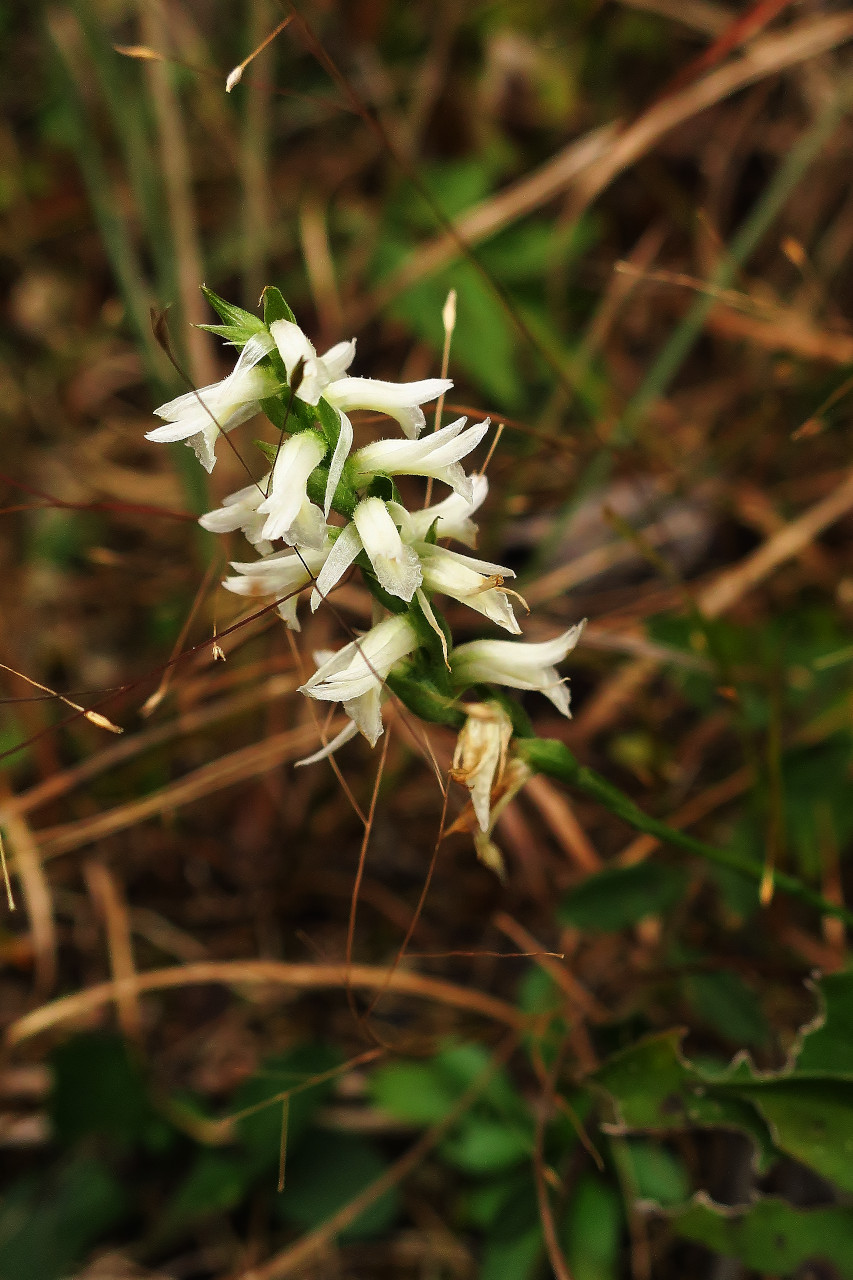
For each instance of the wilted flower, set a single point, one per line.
(481, 752)
(199, 417)
(476, 583)
(521, 666)
(289, 513)
(436, 455)
(355, 674)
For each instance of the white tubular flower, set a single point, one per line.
(400, 400)
(473, 582)
(199, 417)
(287, 506)
(436, 455)
(451, 517)
(355, 674)
(480, 756)
(240, 511)
(521, 666)
(282, 574)
(396, 565)
(317, 371)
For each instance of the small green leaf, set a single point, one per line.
(617, 897)
(216, 1182)
(811, 1120)
(413, 1091)
(329, 1171)
(237, 336)
(261, 1131)
(275, 307)
(48, 1224)
(658, 1175)
(235, 316)
(771, 1236)
(727, 1004)
(593, 1230)
(99, 1088)
(483, 1145)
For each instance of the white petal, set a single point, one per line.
(292, 344)
(296, 460)
(346, 547)
(396, 565)
(400, 400)
(339, 457)
(339, 358)
(346, 735)
(366, 713)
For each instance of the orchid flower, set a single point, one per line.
(435, 455)
(399, 400)
(289, 513)
(451, 517)
(282, 574)
(396, 565)
(199, 417)
(355, 674)
(520, 666)
(240, 511)
(473, 582)
(317, 371)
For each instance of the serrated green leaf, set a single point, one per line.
(811, 1120)
(654, 1088)
(771, 1236)
(617, 897)
(827, 1044)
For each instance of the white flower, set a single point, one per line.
(281, 575)
(473, 582)
(240, 511)
(200, 416)
(355, 674)
(400, 400)
(317, 371)
(521, 666)
(480, 756)
(289, 513)
(396, 565)
(451, 517)
(435, 455)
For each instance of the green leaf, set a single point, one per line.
(275, 307)
(99, 1089)
(261, 1131)
(771, 1236)
(726, 1003)
(234, 316)
(515, 1259)
(593, 1230)
(653, 1088)
(811, 1120)
(617, 897)
(827, 1044)
(237, 336)
(329, 1171)
(47, 1224)
(413, 1091)
(658, 1175)
(216, 1182)
(483, 1145)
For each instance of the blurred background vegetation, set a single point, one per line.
(644, 207)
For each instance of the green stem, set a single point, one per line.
(545, 755)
